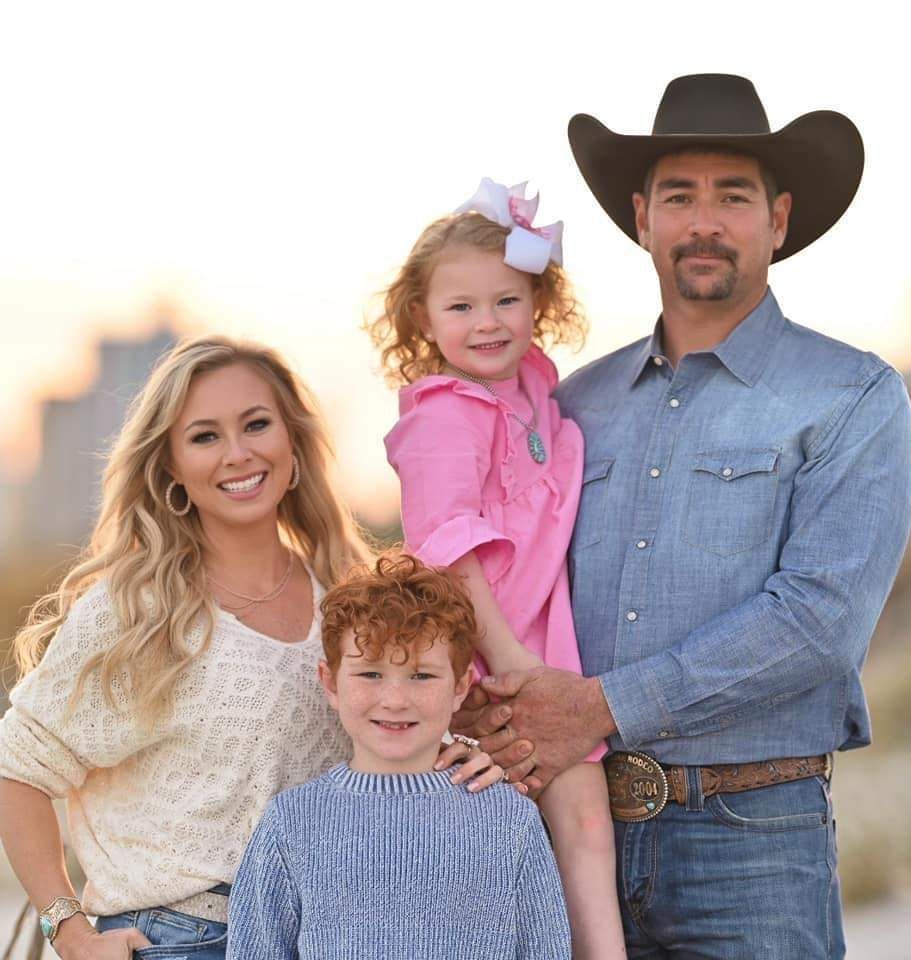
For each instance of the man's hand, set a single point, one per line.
(564, 716)
(485, 721)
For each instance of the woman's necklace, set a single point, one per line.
(276, 591)
(536, 447)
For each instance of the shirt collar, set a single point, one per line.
(651, 348)
(744, 352)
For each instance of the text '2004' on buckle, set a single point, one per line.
(638, 786)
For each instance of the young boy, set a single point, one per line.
(383, 857)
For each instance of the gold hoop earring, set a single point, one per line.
(295, 473)
(170, 504)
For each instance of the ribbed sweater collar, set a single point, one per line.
(390, 784)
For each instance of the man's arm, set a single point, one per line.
(849, 521)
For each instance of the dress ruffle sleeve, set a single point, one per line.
(440, 449)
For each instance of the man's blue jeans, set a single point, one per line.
(736, 876)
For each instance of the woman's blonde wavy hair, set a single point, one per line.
(406, 354)
(152, 560)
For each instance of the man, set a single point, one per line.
(746, 504)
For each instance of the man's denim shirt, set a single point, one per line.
(742, 520)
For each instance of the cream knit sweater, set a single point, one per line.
(157, 817)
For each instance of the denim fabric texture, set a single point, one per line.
(742, 520)
(733, 877)
(175, 936)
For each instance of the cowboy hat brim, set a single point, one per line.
(818, 158)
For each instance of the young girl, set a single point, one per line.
(491, 476)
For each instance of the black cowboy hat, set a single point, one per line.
(818, 158)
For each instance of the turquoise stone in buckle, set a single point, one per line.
(637, 785)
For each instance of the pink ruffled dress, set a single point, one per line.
(470, 483)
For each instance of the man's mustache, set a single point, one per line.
(703, 248)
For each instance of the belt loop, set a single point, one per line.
(695, 799)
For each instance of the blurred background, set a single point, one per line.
(177, 168)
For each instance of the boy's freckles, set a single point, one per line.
(396, 713)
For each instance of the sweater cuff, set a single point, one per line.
(38, 760)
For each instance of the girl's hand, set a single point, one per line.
(86, 943)
(476, 767)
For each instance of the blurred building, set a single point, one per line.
(61, 501)
(11, 496)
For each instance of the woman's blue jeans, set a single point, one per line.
(737, 876)
(175, 936)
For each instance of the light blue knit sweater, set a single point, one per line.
(357, 866)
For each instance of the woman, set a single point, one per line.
(169, 686)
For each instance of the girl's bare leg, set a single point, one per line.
(576, 808)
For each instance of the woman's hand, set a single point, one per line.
(83, 942)
(476, 766)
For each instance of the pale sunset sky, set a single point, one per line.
(261, 169)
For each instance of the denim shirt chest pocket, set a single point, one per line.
(731, 501)
(592, 515)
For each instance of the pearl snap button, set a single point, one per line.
(654, 472)
(632, 616)
(658, 361)
(641, 544)
(674, 402)
(727, 472)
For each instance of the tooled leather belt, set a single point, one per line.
(640, 787)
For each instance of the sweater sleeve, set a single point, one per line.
(543, 926)
(264, 911)
(49, 741)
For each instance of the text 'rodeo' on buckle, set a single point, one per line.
(638, 786)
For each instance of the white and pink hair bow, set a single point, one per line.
(528, 248)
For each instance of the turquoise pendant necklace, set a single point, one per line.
(536, 449)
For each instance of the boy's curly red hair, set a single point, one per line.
(406, 354)
(402, 605)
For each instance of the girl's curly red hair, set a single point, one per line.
(406, 354)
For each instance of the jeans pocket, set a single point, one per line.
(731, 499)
(796, 805)
(175, 935)
(592, 515)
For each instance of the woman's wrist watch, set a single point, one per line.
(56, 912)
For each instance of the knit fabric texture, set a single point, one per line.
(394, 866)
(157, 816)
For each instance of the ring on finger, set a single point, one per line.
(505, 777)
(469, 742)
